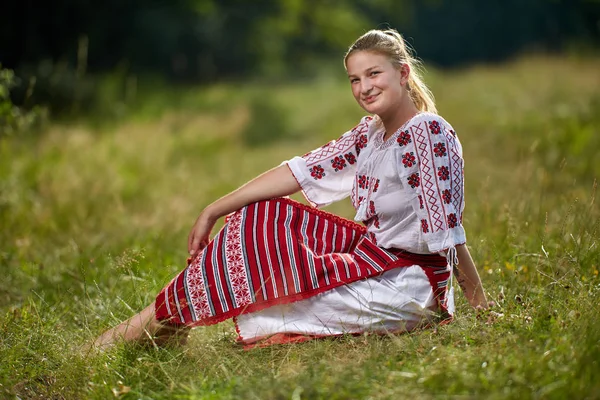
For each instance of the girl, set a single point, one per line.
(289, 272)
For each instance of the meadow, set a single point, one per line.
(94, 220)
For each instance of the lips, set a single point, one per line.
(370, 99)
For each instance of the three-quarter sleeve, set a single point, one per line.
(430, 164)
(326, 174)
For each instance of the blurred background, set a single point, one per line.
(74, 55)
(120, 120)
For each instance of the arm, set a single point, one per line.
(325, 174)
(276, 182)
(440, 211)
(468, 278)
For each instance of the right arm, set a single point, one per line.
(325, 175)
(277, 182)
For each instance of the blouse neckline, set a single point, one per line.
(381, 144)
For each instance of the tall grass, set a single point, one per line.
(94, 223)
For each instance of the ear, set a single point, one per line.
(404, 73)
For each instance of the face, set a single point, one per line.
(377, 86)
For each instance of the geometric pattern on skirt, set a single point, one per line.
(280, 251)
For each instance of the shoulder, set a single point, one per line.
(431, 124)
(365, 125)
(434, 136)
(365, 129)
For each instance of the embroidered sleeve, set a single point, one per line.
(430, 164)
(326, 174)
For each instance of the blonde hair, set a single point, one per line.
(391, 44)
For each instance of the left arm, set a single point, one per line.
(437, 180)
(468, 278)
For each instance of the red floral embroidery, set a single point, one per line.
(414, 180)
(439, 149)
(446, 196)
(404, 138)
(421, 202)
(376, 186)
(361, 143)
(443, 173)
(434, 127)
(338, 163)
(408, 159)
(317, 172)
(350, 158)
(452, 220)
(375, 218)
(424, 226)
(376, 221)
(362, 182)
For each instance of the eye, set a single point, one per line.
(354, 80)
(373, 73)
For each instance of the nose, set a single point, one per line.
(365, 86)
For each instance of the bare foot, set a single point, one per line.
(142, 328)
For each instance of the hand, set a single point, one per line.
(484, 305)
(487, 313)
(199, 236)
(479, 300)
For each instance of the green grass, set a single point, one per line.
(94, 223)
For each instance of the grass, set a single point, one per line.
(94, 223)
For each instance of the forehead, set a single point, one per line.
(360, 61)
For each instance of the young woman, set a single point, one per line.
(290, 272)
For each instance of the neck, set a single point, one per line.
(395, 121)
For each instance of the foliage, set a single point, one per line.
(204, 40)
(93, 225)
(14, 119)
(67, 49)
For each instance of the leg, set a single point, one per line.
(142, 328)
(399, 300)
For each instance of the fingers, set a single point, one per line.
(198, 246)
(494, 316)
(487, 314)
(193, 241)
(194, 246)
(198, 238)
(196, 243)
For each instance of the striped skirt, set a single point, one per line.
(273, 259)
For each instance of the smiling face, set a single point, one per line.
(378, 87)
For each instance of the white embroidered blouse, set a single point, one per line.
(408, 190)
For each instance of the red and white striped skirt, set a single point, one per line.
(288, 272)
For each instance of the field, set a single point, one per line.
(94, 221)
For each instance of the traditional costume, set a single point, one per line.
(287, 272)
